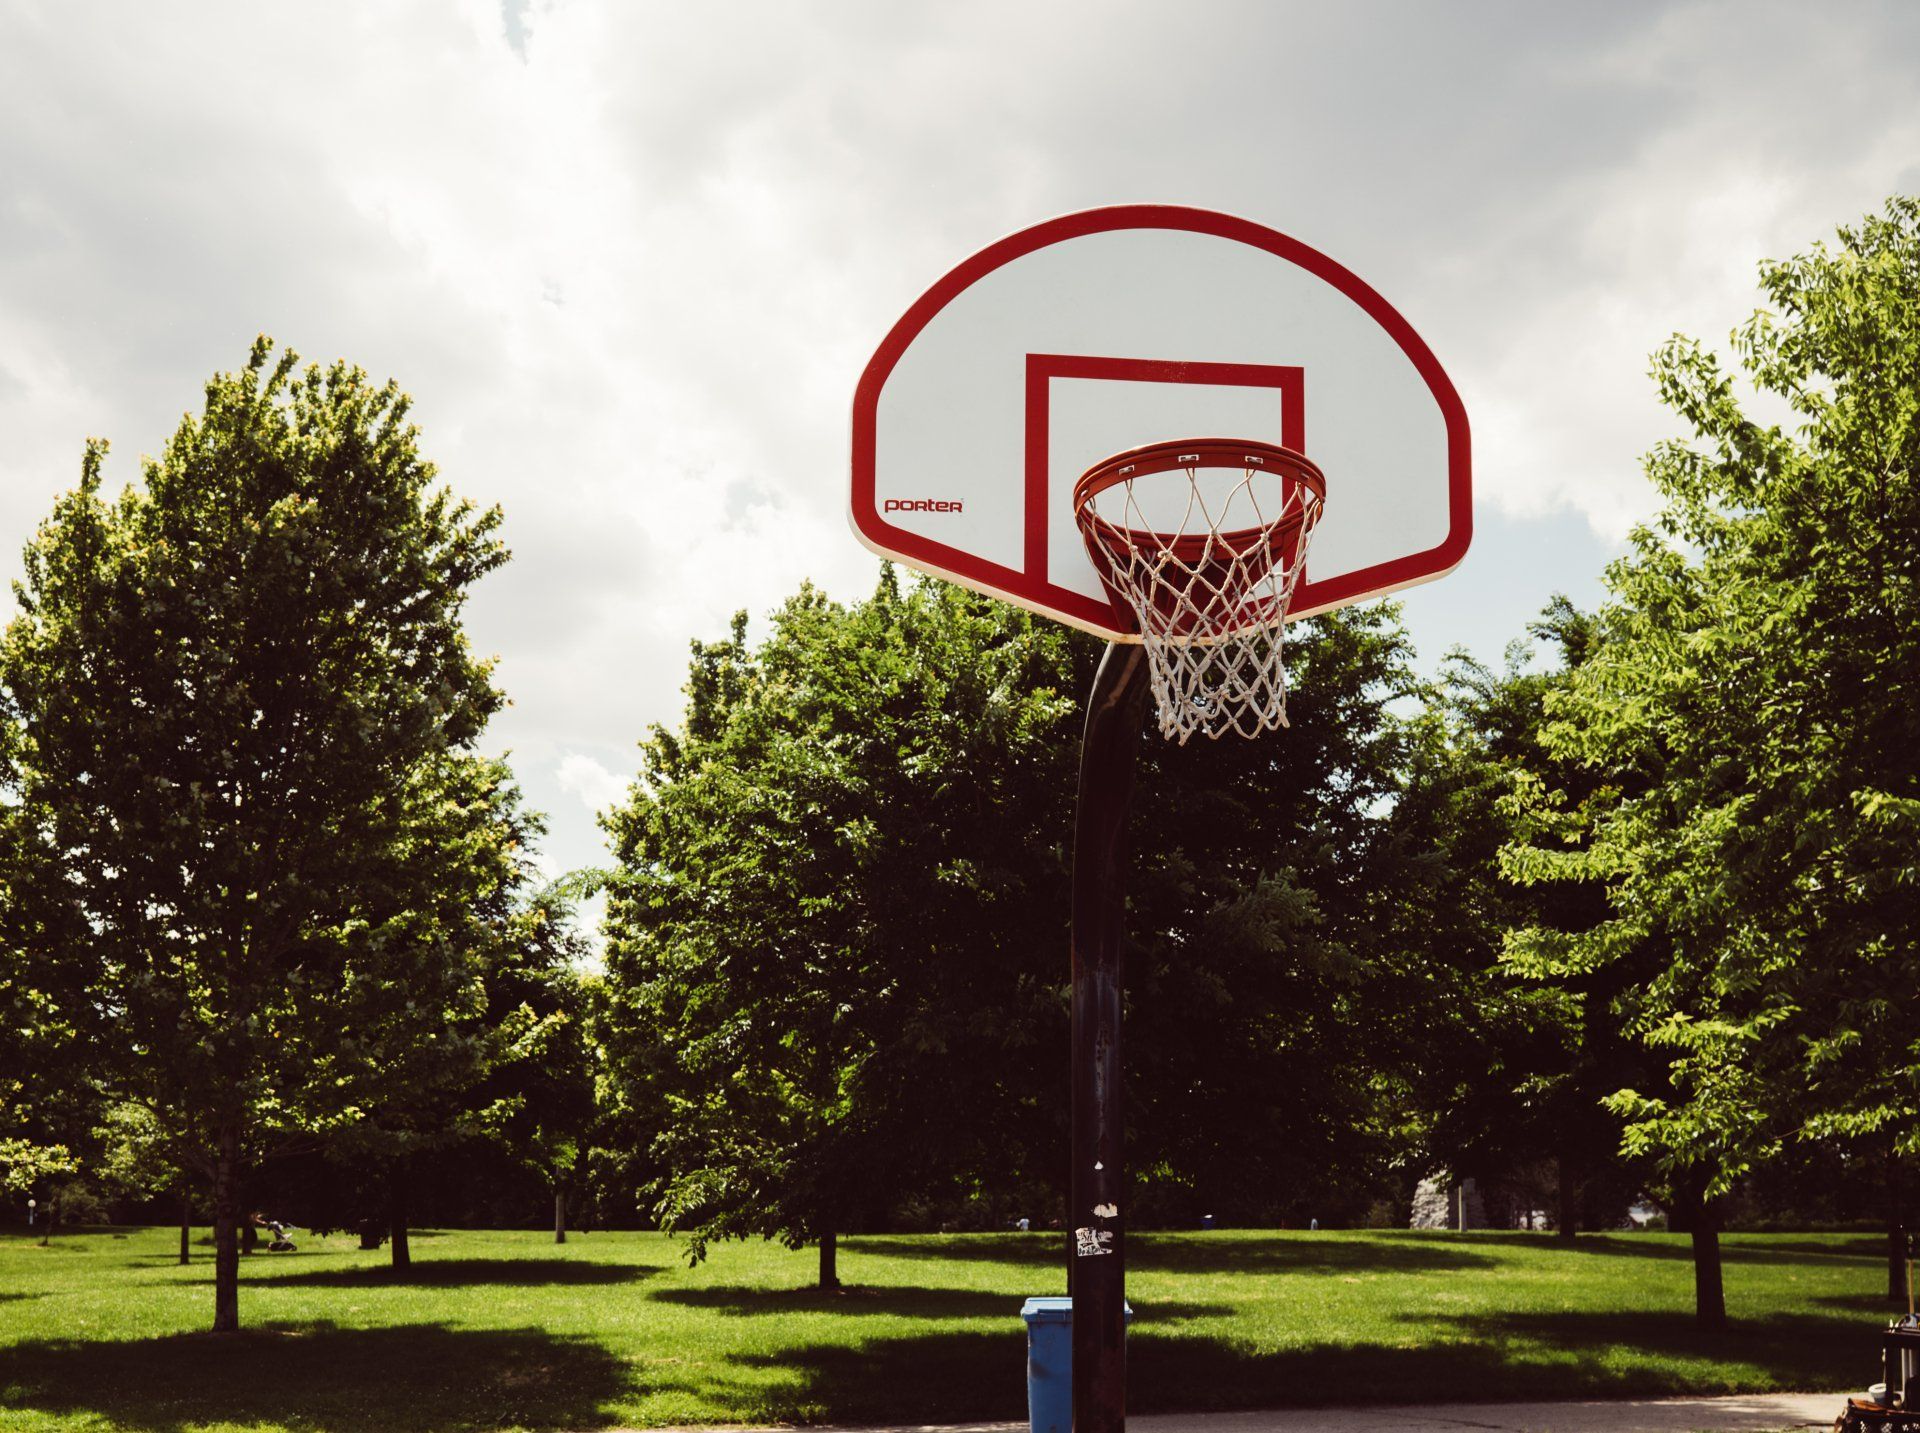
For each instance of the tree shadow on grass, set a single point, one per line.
(1540, 1357)
(1861, 1246)
(935, 1378)
(973, 1377)
(892, 1302)
(453, 1273)
(1257, 1253)
(1027, 1250)
(1733, 1250)
(1871, 1311)
(967, 1377)
(1799, 1350)
(317, 1377)
(1222, 1252)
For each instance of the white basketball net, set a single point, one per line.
(1210, 590)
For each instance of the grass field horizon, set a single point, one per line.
(505, 1329)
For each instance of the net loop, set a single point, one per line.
(1200, 544)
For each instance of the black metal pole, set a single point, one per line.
(1097, 1276)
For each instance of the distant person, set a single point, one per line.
(1022, 1225)
(280, 1243)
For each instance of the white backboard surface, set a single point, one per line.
(1105, 330)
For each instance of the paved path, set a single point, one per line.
(1753, 1413)
(1749, 1413)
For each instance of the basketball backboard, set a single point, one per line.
(1096, 332)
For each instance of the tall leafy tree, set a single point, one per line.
(241, 700)
(1841, 346)
(50, 1097)
(430, 1016)
(1515, 1068)
(823, 957)
(1755, 668)
(540, 1099)
(838, 944)
(1261, 922)
(137, 1158)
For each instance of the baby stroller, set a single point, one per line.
(281, 1243)
(1893, 1404)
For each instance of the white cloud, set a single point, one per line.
(630, 259)
(596, 787)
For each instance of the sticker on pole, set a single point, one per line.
(1088, 1243)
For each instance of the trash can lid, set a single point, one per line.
(1059, 1310)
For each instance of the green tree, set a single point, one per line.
(239, 693)
(426, 1016)
(23, 1164)
(50, 1098)
(1842, 500)
(138, 1158)
(1755, 668)
(838, 948)
(542, 1089)
(824, 965)
(1515, 1068)
(1264, 901)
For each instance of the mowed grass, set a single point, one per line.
(508, 1330)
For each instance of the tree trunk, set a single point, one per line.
(1569, 1196)
(829, 1260)
(186, 1223)
(53, 1219)
(1709, 1294)
(1896, 1231)
(226, 1236)
(559, 1215)
(397, 1213)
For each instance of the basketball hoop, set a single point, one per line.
(1203, 569)
(1157, 319)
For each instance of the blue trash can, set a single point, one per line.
(1050, 1362)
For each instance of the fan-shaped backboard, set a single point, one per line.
(1101, 331)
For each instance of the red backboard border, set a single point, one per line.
(1030, 588)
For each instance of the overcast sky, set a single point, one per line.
(630, 258)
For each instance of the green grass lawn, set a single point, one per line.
(507, 1330)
